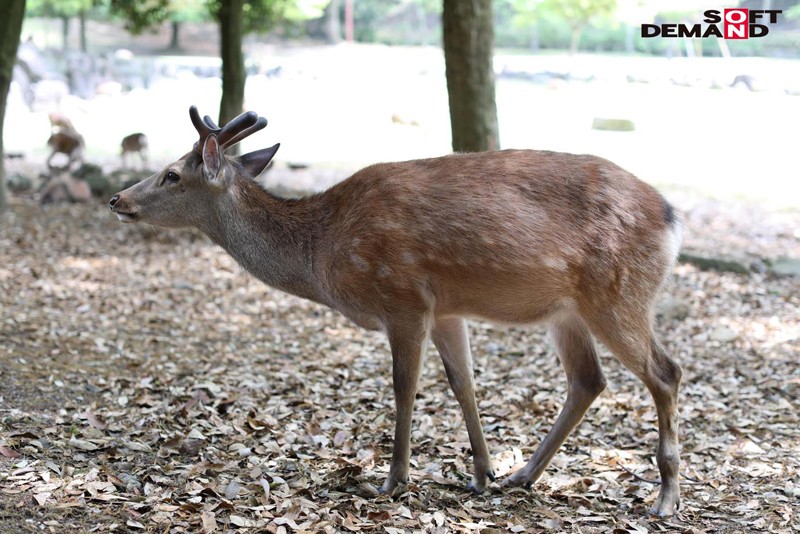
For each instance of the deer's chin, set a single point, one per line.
(126, 217)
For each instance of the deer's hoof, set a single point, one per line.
(520, 479)
(478, 484)
(392, 487)
(665, 505)
(475, 488)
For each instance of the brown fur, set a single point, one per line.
(135, 143)
(414, 248)
(67, 142)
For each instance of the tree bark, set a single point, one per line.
(82, 18)
(233, 74)
(575, 42)
(175, 39)
(64, 32)
(468, 53)
(333, 26)
(10, 30)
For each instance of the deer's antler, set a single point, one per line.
(230, 134)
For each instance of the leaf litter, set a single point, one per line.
(150, 385)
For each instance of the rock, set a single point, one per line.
(715, 263)
(99, 184)
(614, 125)
(65, 188)
(723, 334)
(785, 267)
(674, 309)
(19, 183)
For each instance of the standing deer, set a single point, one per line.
(134, 143)
(64, 139)
(67, 142)
(415, 248)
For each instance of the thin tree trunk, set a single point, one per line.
(468, 53)
(349, 24)
(10, 30)
(82, 16)
(333, 26)
(233, 74)
(175, 39)
(576, 40)
(64, 32)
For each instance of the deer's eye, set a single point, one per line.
(171, 178)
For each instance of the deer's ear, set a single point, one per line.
(212, 158)
(255, 162)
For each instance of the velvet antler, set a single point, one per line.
(230, 134)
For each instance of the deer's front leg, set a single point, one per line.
(407, 339)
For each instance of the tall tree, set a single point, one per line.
(64, 10)
(468, 54)
(231, 30)
(10, 30)
(235, 17)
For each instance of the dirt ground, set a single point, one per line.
(150, 385)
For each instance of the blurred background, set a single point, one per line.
(346, 83)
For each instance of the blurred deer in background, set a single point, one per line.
(59, 121)
(415, 248)
(64, 139)
(67, 142)
(134, 143)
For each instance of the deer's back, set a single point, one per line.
(517, 220)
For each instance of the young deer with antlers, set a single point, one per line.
(415, 248)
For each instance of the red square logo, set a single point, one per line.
(736, 23)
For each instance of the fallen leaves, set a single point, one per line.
(150, 385)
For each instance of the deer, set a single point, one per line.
(416, 248)
(134, 143)
(68, 142)
(59, 121)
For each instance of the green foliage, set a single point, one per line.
(259, 15)
(577, 13)
(56, 8)
(140, 15)
(367, 15)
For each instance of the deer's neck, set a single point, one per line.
(274, 239)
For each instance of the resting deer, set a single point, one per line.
(415, 248)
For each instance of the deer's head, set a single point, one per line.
(188, 191)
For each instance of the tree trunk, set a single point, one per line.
(82, 19)
(576, 40)
(64, 32)
(233, 75)
(333, 26)
(349, 25)
(468, 53)
(10, 30)
(175, 41)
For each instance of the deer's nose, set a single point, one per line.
(113, 201)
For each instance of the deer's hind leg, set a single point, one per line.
(585, 382)
(630, 338)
